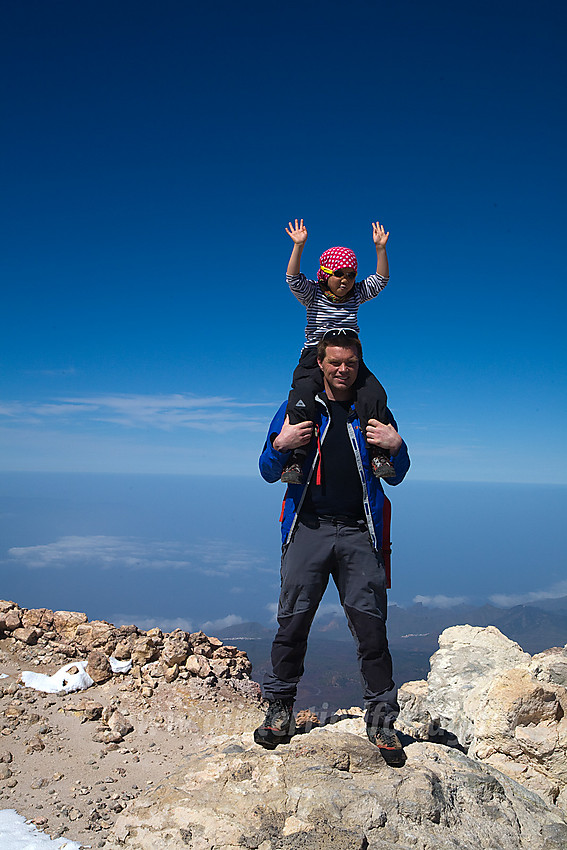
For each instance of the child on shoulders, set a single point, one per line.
(332, 303)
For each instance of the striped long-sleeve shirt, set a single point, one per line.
(322, 314)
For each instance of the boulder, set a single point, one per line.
(98, 667)
(485, 694)
(66, 623)
(551, 666)
(40, 617)
(521, 729)
(145, 649)
(27, 634)
(461, 672)
(331, 789)
(198, 665)
(175, 651)
(10, 619)
(97, 634)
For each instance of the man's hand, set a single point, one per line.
(298, 233)
(293, 436)
(384, 436)
(379, 235)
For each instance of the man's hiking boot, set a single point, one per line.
(292, 474)
(388, 743)
(382, 466)
(278, 726)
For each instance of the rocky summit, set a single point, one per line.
(162, 756)
(503, 706)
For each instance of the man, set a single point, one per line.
(332, 526)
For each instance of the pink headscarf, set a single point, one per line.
(333, 259)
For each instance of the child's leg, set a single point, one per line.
(307, 382)
(371, 399)
(372, 403)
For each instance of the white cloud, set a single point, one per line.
(222, 623)
(145, 622)
(214, 557)
(440, 601)
(329, 609)
(164, 412)
(272, 607)
(508, 600)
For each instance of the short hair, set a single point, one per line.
(341, 341)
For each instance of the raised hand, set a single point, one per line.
(379, 235)
(297, 233)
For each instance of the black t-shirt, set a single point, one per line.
(340, 491)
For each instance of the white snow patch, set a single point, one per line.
(17, 834)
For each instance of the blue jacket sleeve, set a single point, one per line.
(273, 462)
(401, 461)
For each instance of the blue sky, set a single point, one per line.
(152, 156)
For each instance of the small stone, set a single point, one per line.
(35, 744)
(119, 725)
(171, 673)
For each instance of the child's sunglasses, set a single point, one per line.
(339, 273)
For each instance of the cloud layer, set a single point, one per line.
(164, 412)
(211, 558)
(508, 600)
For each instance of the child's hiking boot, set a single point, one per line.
(382, 466)
(292, 474)
(388, 743)
(278, 726)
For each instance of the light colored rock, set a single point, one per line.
(521, 722)
(175, 651)
(462, 671)
(506, 707)
(198, 665)
(144, 650)
(85, 708)
(119, 724)
(331, 789)
(170, 674)
(123, 650)
(66, 623)
(551, 666)
(96, 634)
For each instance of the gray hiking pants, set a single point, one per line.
(330, 547)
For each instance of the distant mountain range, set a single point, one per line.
(331, 670)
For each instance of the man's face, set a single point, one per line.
(340, 369)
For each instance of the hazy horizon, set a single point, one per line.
(190, 550)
